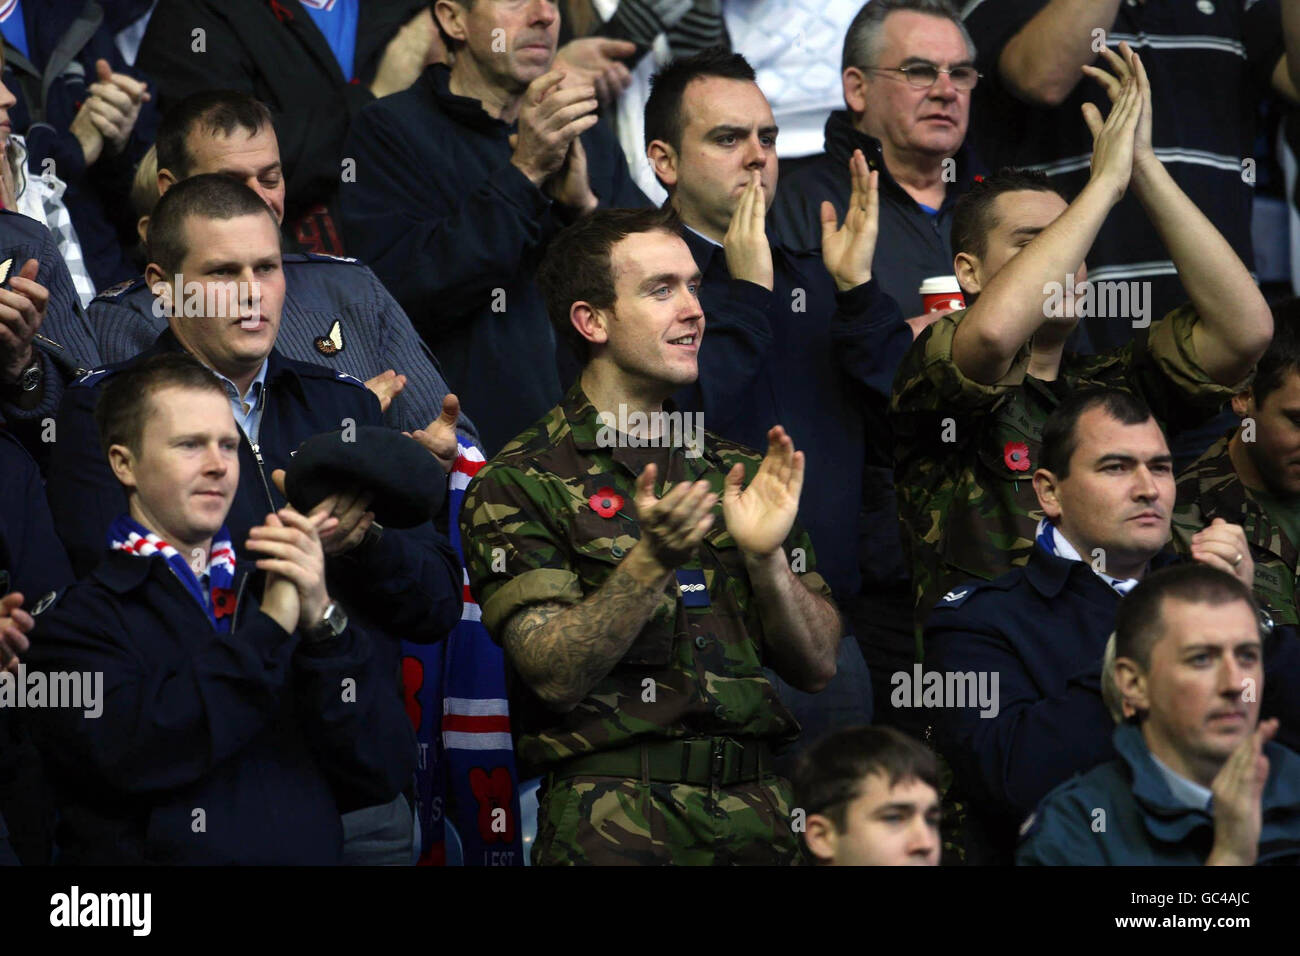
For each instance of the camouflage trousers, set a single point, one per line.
(611, 821)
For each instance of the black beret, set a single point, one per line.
(406, 482)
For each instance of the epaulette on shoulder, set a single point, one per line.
(963, 592)
(350, 379)
(46, 601)
(317, 257)
(119, 290)
(93, 377)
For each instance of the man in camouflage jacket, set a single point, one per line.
(973, 392)
(637, 590)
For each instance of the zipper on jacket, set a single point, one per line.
(239, 602)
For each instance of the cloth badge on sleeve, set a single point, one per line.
(690, 583)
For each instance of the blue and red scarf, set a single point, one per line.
(126, 534)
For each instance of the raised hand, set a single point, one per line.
(22, 310)
(114, 104)
(749, 256)
(413, 47)
(1113, 140)
(439, 436)
(570, 185)
(673, 526)
(1127, 64)
(848, 250)
(347, 509)
(549, 119)
(293, 545)
(386, 386)
(596, 62)
(1222, 545)
(1238, 791)
(760, 517)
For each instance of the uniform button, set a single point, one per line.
(617, 551)
(719, 711)
(701, 641)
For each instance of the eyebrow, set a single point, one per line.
(232, 171)
(236, 264)
(920, 60)
(665, 278)
(1201, 648)
(726, 128)
(1027, 231)
(1164, 459)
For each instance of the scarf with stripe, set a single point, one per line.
(126, 534)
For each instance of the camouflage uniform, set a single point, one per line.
(667, 759)
(965, 453)
(1210, 489)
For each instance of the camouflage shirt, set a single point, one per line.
(549, 519)
(1210, 489)
(965, 452)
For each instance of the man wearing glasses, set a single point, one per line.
(908, 71)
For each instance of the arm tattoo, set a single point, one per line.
(563, 651)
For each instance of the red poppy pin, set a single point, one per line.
(1016, 455)
(223, 602)
(282, 13)
(606, 502)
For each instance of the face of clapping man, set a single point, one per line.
(728, 141)
(182, 478)
(510, 42)
(252, 159)
(904, 118)
(1016, 218)
(1117, 494)
(1272, 460)
(653, 332)
(1192, 690)
(231, 274)
(884, 825)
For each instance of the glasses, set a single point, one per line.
(922, 76)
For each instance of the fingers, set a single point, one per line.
(617, 49)
(31, 268)
(645, 489)
(731, 485)
(830, 222)
(1092, 117)
(13, 599)
(758, 211)
(450, 409)
(540, 87)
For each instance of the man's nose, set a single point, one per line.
(544, 12)
(922, 840)
(1145, 486)
(755, 154)
(215, 462)
(943, 88)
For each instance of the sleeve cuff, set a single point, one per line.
(538, 586)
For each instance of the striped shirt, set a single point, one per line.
(1209, 63)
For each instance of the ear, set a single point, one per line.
(123, 464)
(1241, 403)
(967, 269)
(1131, 680)
(452, 17)
(590, 322)
(160, 284)
(166, 180)
(663, 160)
(822, 837)
(1047, 488)
(142, 228)
(855, 90)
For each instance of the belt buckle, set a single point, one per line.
(718, 762)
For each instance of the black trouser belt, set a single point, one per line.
(701, 762)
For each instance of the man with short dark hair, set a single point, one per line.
(973, 392)
(221, 735)
(518, 154)
(908, 69)
(224, 297)
(796, 337)
(337, 313)
(1105, 486)
(637, 589)
(870, 797)
(1197, 779)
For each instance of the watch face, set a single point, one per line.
(30, 378)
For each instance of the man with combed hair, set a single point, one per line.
(1198, 779)
(640, 580)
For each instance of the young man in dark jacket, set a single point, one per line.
(400, 584)
(314, 71)
(461, 181)
(226, 729)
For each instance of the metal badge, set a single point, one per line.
(1205, 6)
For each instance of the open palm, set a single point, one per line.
(760, 517)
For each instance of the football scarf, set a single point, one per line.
(125, 534)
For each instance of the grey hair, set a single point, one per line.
(862, 41)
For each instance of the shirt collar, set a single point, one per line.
(703, 236)
(1049, 538)
(1185, 792)
(255, 388)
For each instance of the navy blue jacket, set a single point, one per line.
(96, 196)
(456, 232)
(800, 356)
(320, 291)
(250, 727)
(1042, 629)
(1144, 824)
(406, 586)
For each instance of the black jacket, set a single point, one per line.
(285, 61)
(456, 232)
(912, 244)
(210, 748)
(406, 586)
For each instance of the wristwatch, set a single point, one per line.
(331, 624)
(29, 380)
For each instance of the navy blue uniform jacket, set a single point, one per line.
(456, 232)
(406, 586)
(1043, 630)
(250, 727)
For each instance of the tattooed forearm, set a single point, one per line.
(562, 651)
(802, 628)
